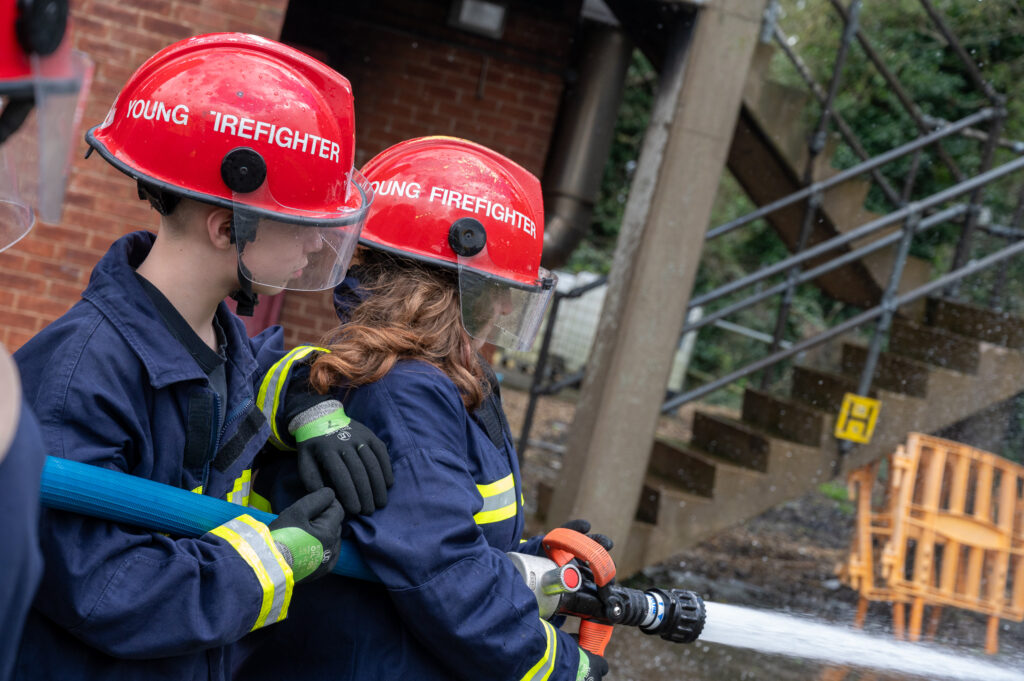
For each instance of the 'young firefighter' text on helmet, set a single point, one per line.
(250, 124)
(459, 205)
(42, 92)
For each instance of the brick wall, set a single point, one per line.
(412, 76)
(42, 275)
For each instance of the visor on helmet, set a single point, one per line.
(298, 250)
(34, 161)
(501, 311)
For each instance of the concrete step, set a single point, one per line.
(845, 203)
(731, 440)
(785, 418)
(768, 156)
(691, 471)
(1000, 328)
(894, 372)
(779, 111)
(821, 389)
(684, 518)
(935, 346)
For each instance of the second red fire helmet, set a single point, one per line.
(459, 205)
(42, 93)
(247, 123)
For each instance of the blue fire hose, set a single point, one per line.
(103, 493)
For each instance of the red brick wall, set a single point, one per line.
(414, 76)
(42, 275)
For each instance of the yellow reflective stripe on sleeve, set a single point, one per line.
(240, 491)
(268, 398)
(499, 501)
(259, 502)
(252, 540)
(198, 490)
(546, 664)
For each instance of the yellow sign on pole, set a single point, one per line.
(857, 418)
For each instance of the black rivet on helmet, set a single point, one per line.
(243, 170)
(41, 24)
(467, 237)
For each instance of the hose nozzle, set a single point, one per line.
(675, 614)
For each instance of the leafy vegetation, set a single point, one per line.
(927, 66)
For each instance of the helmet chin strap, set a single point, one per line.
(245, 297)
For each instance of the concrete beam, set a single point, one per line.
(659, 248)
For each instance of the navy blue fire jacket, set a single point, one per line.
(451, 606)
(22, 564)
(112, 387)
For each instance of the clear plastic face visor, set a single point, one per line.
(310, 254)
(498, 312)
(34, 161)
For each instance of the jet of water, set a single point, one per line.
(772, 632)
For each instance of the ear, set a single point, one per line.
(218, 226)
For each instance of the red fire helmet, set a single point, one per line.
(247, 123)
(42, 85)
(459, 205)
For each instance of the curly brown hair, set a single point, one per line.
(412, 311)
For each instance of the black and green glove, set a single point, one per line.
(335, 451)
(308, 534)
(592, 667)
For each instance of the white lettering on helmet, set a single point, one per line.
(270, 133)
(155, 110)
(245, 128)
(469, 203)
(262, 126)
(395, 188)
(180, 114)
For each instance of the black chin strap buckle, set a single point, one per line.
(245, 298)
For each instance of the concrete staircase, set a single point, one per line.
(959, 361)
(768, 156)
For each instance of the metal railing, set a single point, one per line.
(908, 217)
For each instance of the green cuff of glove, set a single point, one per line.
(300, 549)
(320, 419)
(583, 671)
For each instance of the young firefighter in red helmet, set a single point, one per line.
(450, 261)
(244, 147)
(42, 84)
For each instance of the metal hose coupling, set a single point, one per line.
(674, 614)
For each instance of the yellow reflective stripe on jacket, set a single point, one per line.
(259, 502)
(241, 489)
(499, 501)
(252, 540)
(546, 664)
(268, 399)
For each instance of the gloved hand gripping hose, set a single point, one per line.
(673, 614)
(581, 583)
(103, 493)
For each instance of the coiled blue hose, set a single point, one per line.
(103, 493)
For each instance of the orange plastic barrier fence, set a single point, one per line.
(939, 524)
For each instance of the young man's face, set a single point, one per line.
(278, 254)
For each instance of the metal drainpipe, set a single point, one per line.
(583, 139)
